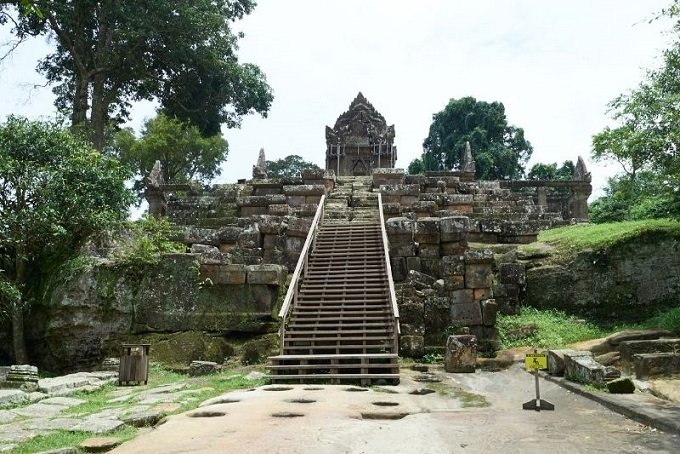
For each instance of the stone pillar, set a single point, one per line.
(158, 205)
(542, 196)
(578, 201)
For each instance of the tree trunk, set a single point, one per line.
(99, 111)
(17, 315)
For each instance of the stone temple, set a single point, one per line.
(360, 141)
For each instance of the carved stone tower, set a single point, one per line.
(360, 141)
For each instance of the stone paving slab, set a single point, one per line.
(98, 426)
(7, 416)
(39, 410)
(12, 397)
(66, 401)
(50, 424)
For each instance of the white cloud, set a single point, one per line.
(554, 65)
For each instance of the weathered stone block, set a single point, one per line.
(630, 348)
(462, 296)
(399, 270)
(512, 273)
(431, 266)
(197, 368)
(412, 312)
(308, 210)
(295, 200)
(428, 207)
(253, 201)
(400, 227)
(556, 360)
(651, 365)
(622, 385)
(429, 250)
(229, 234)
(402, 250)
(232, 274)
(466, 314)
(427, 231)
(280, 209)
(437, 319)
(266, 274)
(454, 248)
(299, 227)
(478, 276)
(461, 354)
(412, 346)
(193, 235)
(489, 312)
(400, 190)
(477, 256)
(387, 176)
(480, 294)
(249, 211)
(454, 228)
(452, 283)
(391, 210)
(453, 265)
(273, 241)
(420, 280)
(413, 263)
(584, 369)
(304, 189)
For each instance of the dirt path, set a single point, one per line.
(471, 413)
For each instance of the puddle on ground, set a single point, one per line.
(278, 388)
(313, 388)
(300, 401)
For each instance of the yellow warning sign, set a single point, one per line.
(536, 361)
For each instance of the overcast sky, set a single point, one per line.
(554, 65)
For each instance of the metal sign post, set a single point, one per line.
(537, 361)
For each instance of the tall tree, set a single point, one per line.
(541, 171)
(500, 150)
(290, 166)
(646, 137)
(110, 53)
(55, 190)
(185, 155)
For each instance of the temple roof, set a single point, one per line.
(361, 120)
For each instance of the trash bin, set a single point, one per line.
(134, 364)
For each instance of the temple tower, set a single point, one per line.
(360, 141)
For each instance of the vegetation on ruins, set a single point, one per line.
(500, 150)
(289, 167)
(645, 142)
(110, 54)
(184, 153)
(55, 190)
(200, 388)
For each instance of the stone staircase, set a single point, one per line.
(342, 327)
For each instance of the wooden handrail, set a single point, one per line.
(388, 267)
(300, 270)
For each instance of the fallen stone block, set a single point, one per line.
(622, 385)
(99, 444)
(461, 354)
(10, 397)
(556, 360)
(584, 369)
(204, 368)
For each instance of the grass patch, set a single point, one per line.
(574, 238)
(64, 439)
(544, 329)
(668, 320)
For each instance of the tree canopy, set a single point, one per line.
(109, 54)
(646, 139)
(290, 166)
(541, 171)
(55, 190)
(500, 150)
(185, 155)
